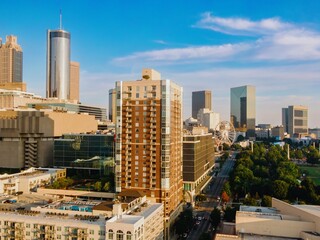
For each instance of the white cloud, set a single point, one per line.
(275, 41)
(211, 53)
(276, 87)
(242, 26)
(161, 42)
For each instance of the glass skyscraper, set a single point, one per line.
(243, 109)
(58, 64)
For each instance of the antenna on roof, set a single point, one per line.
(60, 20)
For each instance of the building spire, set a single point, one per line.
(60, 20)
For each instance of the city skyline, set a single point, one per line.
(216, 46)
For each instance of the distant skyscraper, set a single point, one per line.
(74, 81)
(112, 105)
(295, 120)
(149, 140)
(201, 99)
(243, 109)
(10, 61)
(58, 64)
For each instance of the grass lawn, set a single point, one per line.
(312, 172)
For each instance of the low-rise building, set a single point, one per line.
(93, 152)
(282, 221)
(135, 219)
(28, 180)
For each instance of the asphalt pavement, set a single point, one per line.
(212, 192)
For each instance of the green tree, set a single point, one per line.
(215, 217)
(299, 154)
(106, 187)
(226, 188)
(240, 138)
(266, 201)
(313, 156)
(280, 189)
(184, 222)
(98, 186)
(230, 214)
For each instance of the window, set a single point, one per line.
(58, 228)
(110, 234)
(119, 235)
(28, 225)
(58, 236)
(129, 235)
(28, 233)
(91, 231)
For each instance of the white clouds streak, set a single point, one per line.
(241, 26)
(214, 53)
(275, 41)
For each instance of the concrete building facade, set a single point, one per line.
(208, 118)
(29, 180)
(243, 109)
(201, 99)
(149, 139)
(136, 219)
(27, 135)
(295, 120)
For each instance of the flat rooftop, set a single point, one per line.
(258, 209)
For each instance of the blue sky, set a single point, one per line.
(215, 45)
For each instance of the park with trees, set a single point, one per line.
(267, 172)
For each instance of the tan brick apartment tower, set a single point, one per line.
(74, 81)
(149, 140)
(11, 64)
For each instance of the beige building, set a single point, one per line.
(149, 140)
(26, 136)
(10, 61)
(136, 219)
(295, 120)
(29, 180)
(15, 98)
(74, 81)
(282, 221)
(112, 105)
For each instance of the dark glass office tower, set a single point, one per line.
(243, 109)
(200, 99)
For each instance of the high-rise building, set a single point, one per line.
(243, 109)
(295, 120)
(149, 140)
(208, 118)
(58, 64)
(10, 61)
(201, 99)
(198, 161)
(112, 105)
(74, 81)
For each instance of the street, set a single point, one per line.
(213, 192)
